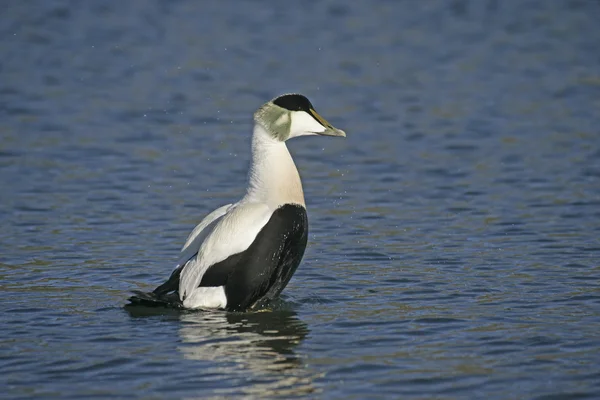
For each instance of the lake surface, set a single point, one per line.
(454, 247)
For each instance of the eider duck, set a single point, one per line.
(245, 253)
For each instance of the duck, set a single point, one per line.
(242, 255)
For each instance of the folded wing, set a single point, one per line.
(231, 231)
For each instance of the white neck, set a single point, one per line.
(273, 177)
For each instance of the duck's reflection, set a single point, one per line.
(249, 353)
(257, 347)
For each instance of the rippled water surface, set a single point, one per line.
(454, 235)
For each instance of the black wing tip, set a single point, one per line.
(149, 299)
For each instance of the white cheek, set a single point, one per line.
(304, 124)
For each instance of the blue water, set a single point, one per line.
(454, 234)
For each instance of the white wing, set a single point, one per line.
(218, 213)
(195, 239)
(228, 234)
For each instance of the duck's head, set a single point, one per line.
(292, 115)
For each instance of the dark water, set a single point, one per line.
(454, 248)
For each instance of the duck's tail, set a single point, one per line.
(170, 300)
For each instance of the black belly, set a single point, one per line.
(265, 268)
